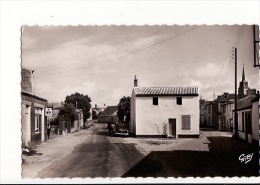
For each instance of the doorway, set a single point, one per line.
(172, 128)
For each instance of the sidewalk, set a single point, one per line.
(48, 152)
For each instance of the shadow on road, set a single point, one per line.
(207, 129)
(222, 160)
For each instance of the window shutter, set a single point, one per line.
(185, 122)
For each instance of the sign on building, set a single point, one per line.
(48, 112)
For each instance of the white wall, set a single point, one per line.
(132, 114)
(153, 119)
(255, 120)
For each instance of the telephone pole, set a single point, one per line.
(235, 116)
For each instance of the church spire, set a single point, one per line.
(243, 74)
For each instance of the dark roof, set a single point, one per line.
(256, 98)
(226, 96)
(33, 96)
(109, 111)
(166, 91)
(245, 102)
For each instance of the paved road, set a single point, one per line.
(100, 155)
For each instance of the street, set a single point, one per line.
(99, 155)
(96, 153)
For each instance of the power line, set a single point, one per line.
(131, 53)
(103, 54)
(155, 69)
(236, 43)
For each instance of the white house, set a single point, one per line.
(164, 111)
(248, 119)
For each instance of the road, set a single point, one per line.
(215, 153)
(99, 155)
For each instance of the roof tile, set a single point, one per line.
(166, 90)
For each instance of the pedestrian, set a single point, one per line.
(48, 130)
(109, 127)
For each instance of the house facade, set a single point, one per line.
(95, 112)
(227, 116)
(248, 119)
(206, 113)
(218, 110)
(34, 122)
(164, 111)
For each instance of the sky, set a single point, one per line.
(102, 61)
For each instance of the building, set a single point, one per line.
(208, 106)
(248, 118)
(227, 116)
(80, 118)
(218, 110)
(34, 122)
(96, 111)
(109, 115)
(164, 111)
(205, 113)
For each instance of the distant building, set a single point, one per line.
(109, 115)
(227, 116)
(78, 124)
(164, 111)
(96, 111)
(206, 113)
(218, 110)
(34, 122)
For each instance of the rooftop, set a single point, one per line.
(109, 111)
(166, 91)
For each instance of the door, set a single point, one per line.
(172, 128)
(26, 125)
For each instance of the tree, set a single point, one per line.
(68, 111)
(123, 112)
(80, 101)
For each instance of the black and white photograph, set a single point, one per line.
(140, 101)
(129, 92)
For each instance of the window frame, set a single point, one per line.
(179, 98)
(38, 120)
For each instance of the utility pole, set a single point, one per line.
(236, 117)
(256, 59)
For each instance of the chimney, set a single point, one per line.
(135, 82)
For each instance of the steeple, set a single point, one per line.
(135, 82)
(243, 74)
(243, 86)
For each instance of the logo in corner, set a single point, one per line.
(245, 158)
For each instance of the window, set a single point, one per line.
(38, 120)
(155, 100)
(185, 122)
(179, 100)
